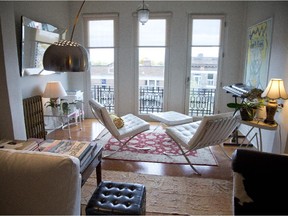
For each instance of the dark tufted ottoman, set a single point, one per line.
(117, 198)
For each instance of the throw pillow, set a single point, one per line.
(118, 122)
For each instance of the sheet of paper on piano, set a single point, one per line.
(237, 89)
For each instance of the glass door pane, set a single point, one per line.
(151, 79)
(151, 65)
(101, 46)
(205, 48)
(102, 76)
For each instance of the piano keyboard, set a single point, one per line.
(237, 89)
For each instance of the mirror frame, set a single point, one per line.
(36, 37)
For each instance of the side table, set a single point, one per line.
(260, 125)
(92, 164)
(89, 154)
(63, 117)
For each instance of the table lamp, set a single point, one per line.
(54, 90)
(275, 90)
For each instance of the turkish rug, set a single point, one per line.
(169, 195)
(152, 146)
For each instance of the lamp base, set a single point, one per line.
(271, 109)
(267, 121)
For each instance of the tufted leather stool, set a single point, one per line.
(116, 198)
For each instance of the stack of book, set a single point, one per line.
(83, 150)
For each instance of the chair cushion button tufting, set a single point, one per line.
(116, 199)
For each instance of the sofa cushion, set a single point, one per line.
(35, 183)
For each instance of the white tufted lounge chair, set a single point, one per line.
(133, 125)
(211, 130)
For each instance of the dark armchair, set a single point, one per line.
(260, 183)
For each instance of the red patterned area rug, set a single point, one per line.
(161, 149)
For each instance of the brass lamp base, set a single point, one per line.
(271, 109)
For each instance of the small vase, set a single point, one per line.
(247, 114)
(65, 108)
(261, 113)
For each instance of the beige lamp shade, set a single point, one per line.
(275, 90)
(54, 89)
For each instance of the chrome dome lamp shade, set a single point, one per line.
(66, 56)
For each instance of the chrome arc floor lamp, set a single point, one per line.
(66, 55)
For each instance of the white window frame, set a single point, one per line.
(103, 16)
(220, 59)
(152, 15)
(210, 82)
(197, 78)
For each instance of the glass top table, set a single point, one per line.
(65, 118)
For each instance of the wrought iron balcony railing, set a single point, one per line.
(201, 101)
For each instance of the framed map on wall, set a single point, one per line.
(258, 54)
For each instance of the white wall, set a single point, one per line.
(55, 13)
(12, 119)
(278, 68)
(5, 117)
(13, 122)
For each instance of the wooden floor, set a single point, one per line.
(91, 129)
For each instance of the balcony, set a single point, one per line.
(201, 101)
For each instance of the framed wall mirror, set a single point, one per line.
(36, 37)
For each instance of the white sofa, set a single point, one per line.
(37, 183)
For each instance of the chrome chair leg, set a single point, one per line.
(187, 159)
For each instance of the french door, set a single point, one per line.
(152, 63)
(101, 39)
(204, 63)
